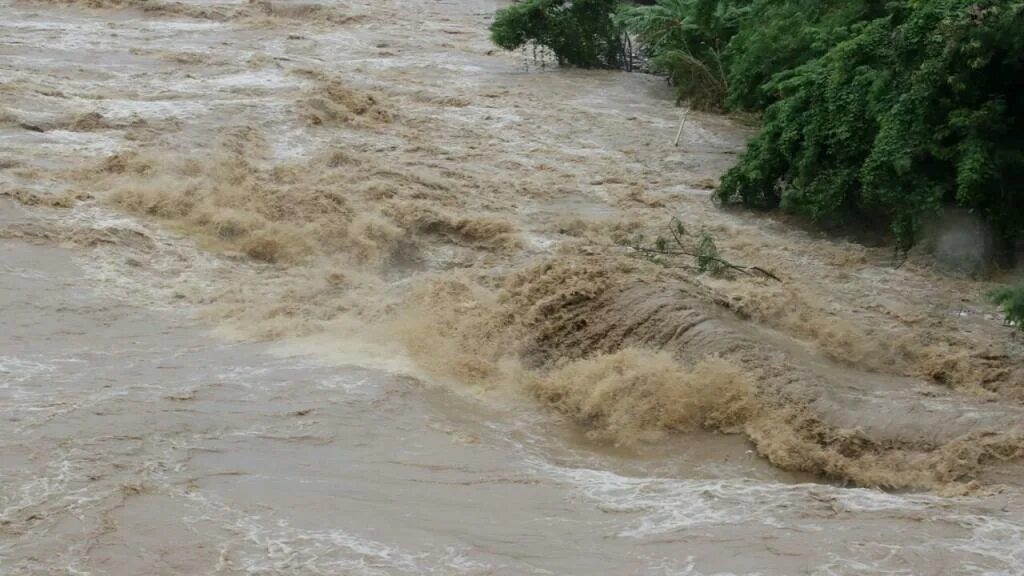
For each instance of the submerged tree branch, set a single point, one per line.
(707, 259)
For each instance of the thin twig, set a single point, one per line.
(895, 256)
(748, 270)
(766, 273)
(674, 225)
(682, 122)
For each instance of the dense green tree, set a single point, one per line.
(873, 110)
(580, 32)
(685, 40)
(914, 109)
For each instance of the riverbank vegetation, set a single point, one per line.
(1011, 300)
(878, 113)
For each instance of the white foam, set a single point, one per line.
(14, 370)
(992, 544)
(259, 545)
(991, 538)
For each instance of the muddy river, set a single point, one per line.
(295, 288)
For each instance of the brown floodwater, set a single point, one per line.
(295, 288)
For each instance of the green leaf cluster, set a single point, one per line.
(1011, 300)
(904, 107)
(874, 111)
(581, 33)
(685, 40)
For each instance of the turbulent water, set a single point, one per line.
(335, 288)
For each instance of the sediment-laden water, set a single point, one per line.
(334, 288)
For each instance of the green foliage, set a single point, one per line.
(911, 108)
(1011, 300)
(703, 252)
(684, 40)
(775, 37)
(581, 33)
(708, 259)
(880, 111)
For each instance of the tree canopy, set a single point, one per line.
(873, 110)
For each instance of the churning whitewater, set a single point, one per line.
(297, 288)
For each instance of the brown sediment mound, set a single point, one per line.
(797, 312)
(479, 231)
(335, 103)
(572, 333)
(230, 203)
(188, 58)
(7, 118)
(798, 439)
(927, 344)
(87, 122)
(450, 102)
(964, 364)
(158, 7)
(344, 203)
(636, 395)
(85, 237)
(129, 161)
(328, 13)
(315, 12)
(10, 119)
(92, 237)
(29, 198)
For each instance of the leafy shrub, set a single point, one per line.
(875, 111)
(917, 108)
(684, 40)
(581, 33)
(1011, 300)
(778, 36)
